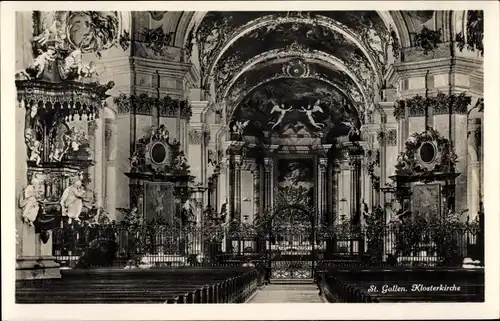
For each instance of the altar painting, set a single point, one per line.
(159, 202)
(295, 181)
(427, 200)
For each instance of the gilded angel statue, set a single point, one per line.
(282, 110)
(309, 110)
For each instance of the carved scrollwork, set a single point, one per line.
(428, 40)
(88, 31)
(391, 137)
(156, 39)
(268, 164)
(143, 103)
(426, 152)
(396, 46)
(441, 104)
(323, 164)
(155, 153)
(474, 33)
(195, 136)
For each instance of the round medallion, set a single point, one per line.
(158, 153)
(427, 152)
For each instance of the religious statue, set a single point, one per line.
(34, 146)
(29, 201)
(223, 212)
(134, 160)
(163, 133)
(188, 213)
(309, 112)
(36, 69)
(72, 200)
(73, 64)
(239, 127)
(89, 70)
(158, 202)
(281, 109)
(53, 31)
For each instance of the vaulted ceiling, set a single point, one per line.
(248, 59)
(257, 57)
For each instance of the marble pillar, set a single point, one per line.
(355, 178)
(322, 189)
(268, 183)
(111, 144)
(96, 131)
(231, 189)
(237, 187)
(474, 164)
(223, 184)
(335, 194)
(256, 192)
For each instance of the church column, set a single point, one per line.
(355, 168)
(268, 183)
(256, 191)
(335, 193)
(111, 144)
(474, 162)
(96, 132)
(238, 159)
(322, 189)
(223, 184)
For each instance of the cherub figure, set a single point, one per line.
(309, 113)
(163, 133)
(88, 70)
(239, 127)
(134, 160)
(38, 66)
(73, 63)
(29, 201)
(72, 200)
(281, 109)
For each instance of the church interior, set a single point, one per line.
(301, 137)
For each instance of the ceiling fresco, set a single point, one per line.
(251, 58)
(296, 103)
(292, 68)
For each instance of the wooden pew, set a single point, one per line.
(342, 285)
(186, 285)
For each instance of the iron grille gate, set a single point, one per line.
(291, 244)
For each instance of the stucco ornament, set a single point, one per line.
(89, 31)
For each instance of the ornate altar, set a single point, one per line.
(159, 179)
(55, 89)
(425, 175)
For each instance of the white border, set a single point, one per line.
(489, 309)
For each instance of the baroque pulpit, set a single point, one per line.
(58, 93)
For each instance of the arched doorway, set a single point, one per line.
(291, 241)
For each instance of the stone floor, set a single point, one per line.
(287, 293)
